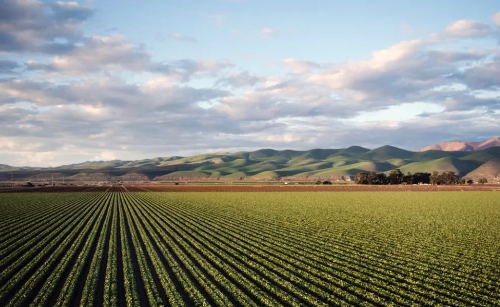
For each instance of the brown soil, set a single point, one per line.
(259, 188)
(309, 188)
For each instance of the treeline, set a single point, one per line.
(397, 177)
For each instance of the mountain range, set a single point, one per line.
(463, 146)
(269, 164)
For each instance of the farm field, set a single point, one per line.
(119, 248)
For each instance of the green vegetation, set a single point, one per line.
(397, 177)
(315, 164)
(250, 249)
(482, 180)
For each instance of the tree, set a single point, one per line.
(482, 180)
(327, 182)
(421, 178)
(395, 177)
(435, 178)
(408, 178)
(362, 178)
(370, 178)
(449, 178)
(380, 178)
(470, 181)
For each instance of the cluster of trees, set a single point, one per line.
(394, 177)
(445, 178)
(323, 182)
(482, 180)
(397, 177)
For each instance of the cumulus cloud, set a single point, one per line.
(284, 99)
(74, 96)
(107, 94)
(468, 28)
(466, 102)
(29, 25)
(239, 79)
(105, 155)
(98, 52)
(404, 72)
(70, 11)
(99, 113)
(483, 76)
(8, 67)
(409, 71)
(183, 70)
(116, 53)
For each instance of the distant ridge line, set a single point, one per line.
(336, 164)
(463, 146)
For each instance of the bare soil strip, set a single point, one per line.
(258, 188)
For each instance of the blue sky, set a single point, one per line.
(323, 31)
(108, 79)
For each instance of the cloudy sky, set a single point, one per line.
(109, 79)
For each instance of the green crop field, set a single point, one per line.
(250, 249)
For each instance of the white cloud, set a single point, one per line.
(284, 138)
(98, 52)
(468, 28)
(105, 155)
(105, 98)
(404, 72)
(273, 81)
(81, 98)
(30, 25)
(116, 53)
(496, 19)
(239, 79)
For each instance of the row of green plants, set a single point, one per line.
(342, 263)
(250, 249)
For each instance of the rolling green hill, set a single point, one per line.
(446, 164)
(268, 164)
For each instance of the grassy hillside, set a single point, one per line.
(271, 164)
(490, 169)
(387, 152)
(445, 164)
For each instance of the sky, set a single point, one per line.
(109, 79)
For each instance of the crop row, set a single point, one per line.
(121, 248)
